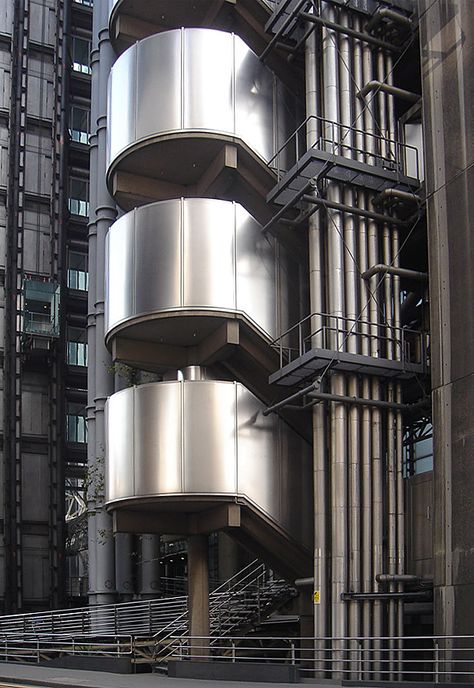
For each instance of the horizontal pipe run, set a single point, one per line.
(302, 582)
(397, 578)
(386, 13)
(390, 90)
(349, 32)
(397, 194)
(292, 397)
(354, 211)
(424, 595)
(358, 401)
(398, 272)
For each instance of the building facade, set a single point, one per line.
(45, 114)
(266, 264)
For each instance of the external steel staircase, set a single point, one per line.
(146, 631)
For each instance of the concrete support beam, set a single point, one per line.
(217, 346)
(133, 190)
(198, 594)
(130, 29)
(175, 523)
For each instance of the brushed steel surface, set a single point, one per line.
(199, 80)
(208, 80)
(122, 100)
(158, 258)
(208, 253)
(203, 438)
(210, 442)
(255, 270)
(119, 431)
(158, 82)
(119, 270)
(201, 254)
(158, 441)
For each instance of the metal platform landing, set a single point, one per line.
(314, 361)
(284, 20)
(348, 345)
(318, 163)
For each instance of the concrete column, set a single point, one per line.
(123, 566)
(198, 594)
(149, 567)
(230, 557)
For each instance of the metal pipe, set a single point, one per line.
(378, 86)
(316, 277)
(292, 397)
(105, 213)
(407, 196)
(397, 578)
(387, 596)
(370, 227)
(376, 403)
(345, 30)
(392, 270)
(352, 343)
(342, 207)
(335, 293)
(386, 13)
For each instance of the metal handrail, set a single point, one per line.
(152, 623)
(334, 332)
(429, 658)
(397, 151)
(41, 648)
(246, 589)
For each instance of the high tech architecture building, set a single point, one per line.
(44, 123)
(278, 276)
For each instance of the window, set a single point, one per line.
(418, 448)
(77, 271)
(79, 196)
(77, 346)
(81, 49)
(79, 127)
(41, 308)
(76, 428)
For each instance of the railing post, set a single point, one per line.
(150, 619)
(436, 661)
(233, 650)
(293, 653)
(38, 650)
(359, 660)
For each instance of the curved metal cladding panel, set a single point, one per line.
(197, 254)
(195, 80)
(198, 439)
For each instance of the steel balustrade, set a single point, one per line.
(339, 139)
(333, 332)
(407, 658)
(150, 625)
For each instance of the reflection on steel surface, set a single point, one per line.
(207, 438)
(173, 82)
(201, 254)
